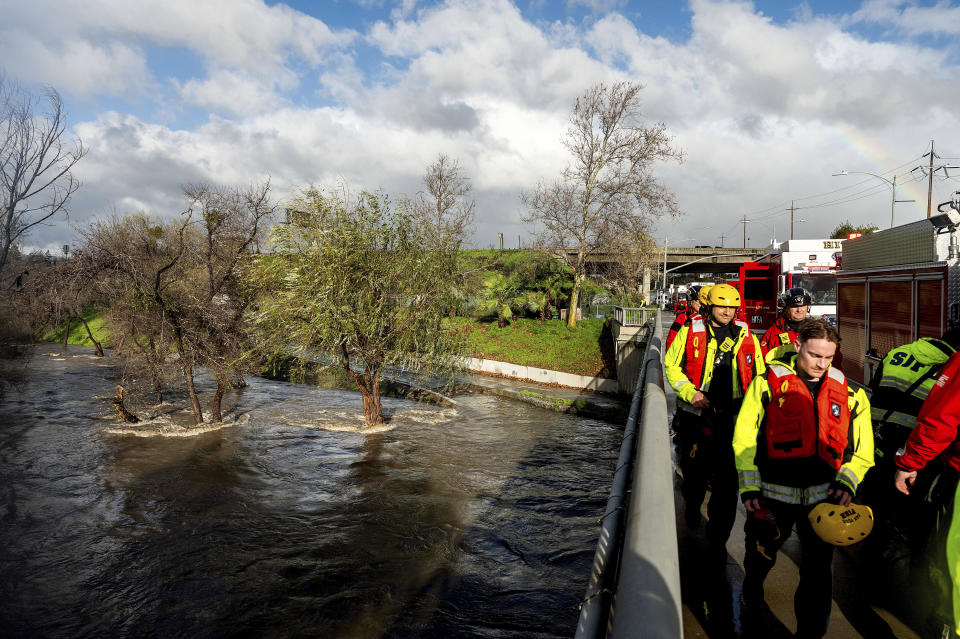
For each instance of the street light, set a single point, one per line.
(891, 183)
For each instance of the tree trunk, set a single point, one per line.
(154, 369)
(369, 386)
(215, 415)
(574, 302)
(96, 344)
(121, 410)
(187, 363)
(66, 332)
(501, 322)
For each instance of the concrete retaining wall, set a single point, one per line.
(543, 375)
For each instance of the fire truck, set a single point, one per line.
(896, 286)
(811, 264)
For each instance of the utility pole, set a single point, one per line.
(929, 170)
(791, 209)
(930, 181)
(744, 222)
(721, 240)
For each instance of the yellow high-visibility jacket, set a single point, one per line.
(673, 366)
(798, 481)
(953, 559)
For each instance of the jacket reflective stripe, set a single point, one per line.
(900, 419)
(795, 495)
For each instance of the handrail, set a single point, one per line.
(630, 316)
(594, 610)
(647, 601)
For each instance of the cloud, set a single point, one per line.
(78, 66)
(243, 43)
(766, 110)
(906, 17)
(227, 91)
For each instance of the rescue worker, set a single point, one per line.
(783, 332)
(802, 437)
(710, 364)
(697, 296)
(936, 435)
(953, 558)
(903, 522)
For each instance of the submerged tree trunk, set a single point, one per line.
(96, 344)
(369, 386)
(215, 414)
(121, 410)
(187, 363)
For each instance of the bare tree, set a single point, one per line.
(446, 207)
(636, 252)
(182, 285)
(35, 161)
(609, 184)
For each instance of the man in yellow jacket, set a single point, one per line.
(710, 364)
(803, 436)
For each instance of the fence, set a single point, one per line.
(631, 316)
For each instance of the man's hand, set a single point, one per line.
(904, 480)
(700, 401)
(840, 495)
(752, 505)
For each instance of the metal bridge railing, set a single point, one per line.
(634, 588)
(631, 316)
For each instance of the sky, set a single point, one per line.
(767, 99)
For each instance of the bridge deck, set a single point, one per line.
(710, 602)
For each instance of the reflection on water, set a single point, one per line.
(474, 521)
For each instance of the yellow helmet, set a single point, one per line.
(704, 291)
(841, 525)
(723, 295)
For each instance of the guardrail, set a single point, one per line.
(647, 600)
(640, 540)
(631, 316)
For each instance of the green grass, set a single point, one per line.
(586, 350)
(78, 334)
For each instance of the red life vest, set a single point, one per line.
(779, 334)
(794, 428)
(696, 354)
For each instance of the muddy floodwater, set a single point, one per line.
(478, 520)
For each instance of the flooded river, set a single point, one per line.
(471, 521)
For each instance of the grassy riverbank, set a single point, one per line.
(586, 350)
(78, 334)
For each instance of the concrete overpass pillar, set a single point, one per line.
(645, 290)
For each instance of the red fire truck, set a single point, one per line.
(811, 264)
(896, 286)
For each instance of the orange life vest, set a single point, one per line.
(794, 428)
(696, 354)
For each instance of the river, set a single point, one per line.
(478, 520)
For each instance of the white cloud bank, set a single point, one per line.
(766, 111)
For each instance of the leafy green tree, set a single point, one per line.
(845, 228)
(356, 282)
